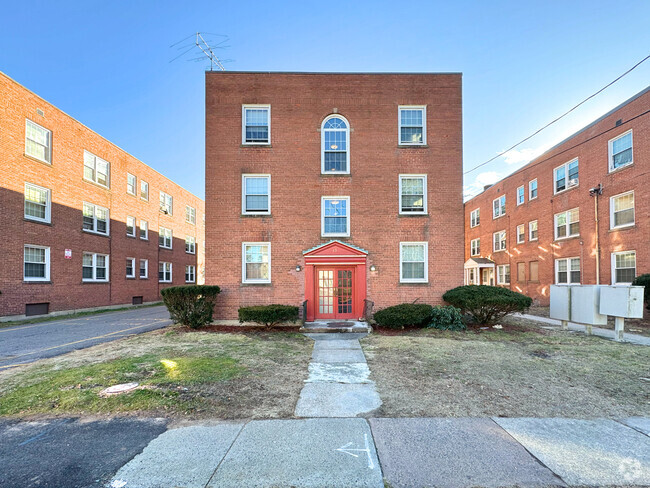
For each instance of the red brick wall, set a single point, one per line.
(64, 177)
(590, 146)
(299, 103)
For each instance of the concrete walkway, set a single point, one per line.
(598, 331)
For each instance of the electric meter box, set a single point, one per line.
(622, 301)
(560, 302)
(585, 304)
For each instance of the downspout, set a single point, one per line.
(594, 192)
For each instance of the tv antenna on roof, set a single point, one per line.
(208, 51)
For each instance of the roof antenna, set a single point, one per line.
(208, 51)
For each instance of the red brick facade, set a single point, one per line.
(299, 104)
(592, 147)
(63, 176)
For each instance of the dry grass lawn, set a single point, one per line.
(520, 370)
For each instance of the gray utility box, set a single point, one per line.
(622, 301)
(577, 303)
(560, 302)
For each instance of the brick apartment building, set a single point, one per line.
(334, 189)
(539, 226)
(84, 224)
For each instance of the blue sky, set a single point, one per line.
(523, 63)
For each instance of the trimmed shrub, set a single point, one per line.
(487, 304)
(644, 280)
(190, 305)
(268, 315)
(404, 315)
(446, 317)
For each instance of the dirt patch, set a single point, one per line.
(510, 372)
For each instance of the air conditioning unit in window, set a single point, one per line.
(573, 182)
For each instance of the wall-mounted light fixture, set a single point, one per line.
(373, 267)
(298, 268)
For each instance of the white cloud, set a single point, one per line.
(522, 156)
(482, 179)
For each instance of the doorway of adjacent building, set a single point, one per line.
(334, 290)
(488, 276)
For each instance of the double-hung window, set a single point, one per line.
(256, 124)
(521, 195)
(532, 230)
(95, 219)
(335, 151)
(95, 267)
(190, 215)
(475, 247)
(499, 207)
(620, 151)
(190, 274)
(96, 169)
(130, 267)
(621, 210)
(521, 234)
(532, 189)
(165, 238)
(164, 272)
(130, 226)
(256, 194)
(190, 245)
(567, 271)
(131, 184)
(38, 203)
(335, 216)
(166, 203)
(36, 263)
(144, 190)
(475, 217)
(414, 262)
(38, 142)
(412, 194)
(412, 125)
(499, 241)
(566, 176)
(144, 268)
(256, 262)
(144, 230)
(503, 274)
(567, 224)
(623, 267)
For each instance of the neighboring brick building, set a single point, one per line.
(68, 198)
(547, 211)
(370, 163)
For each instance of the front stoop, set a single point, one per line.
(323, 326)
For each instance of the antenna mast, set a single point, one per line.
(207, 50)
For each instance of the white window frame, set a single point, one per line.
(192, 214)
(47, 263)
(424, 124)
(612, 212)
(162, 232)
(94, 266)
(244, 279)
(95, 180)
(567, 186)
(424, 198)
(475, 217)
(502, 208)
(165, 206)
(192, 269)
(144, 227)
(145, 185)
(521, 234)
(322, 217)
(94, 229)
(48, 146)
(48, 204)
(475, 247)
(135, 184)
(134, 227)
(146, 269)
(530, 189)
(530, 230)
(192, 241)
(567, 225)
(614, 254)
(322, 145)
(501, 240)
(243, 124)
(610, 155)
(568, 264)
(503, 267)
(244, 177)
(171, 275)
(425, 244)
(521, 192)
(132, 275)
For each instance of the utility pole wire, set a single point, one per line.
(558, 118)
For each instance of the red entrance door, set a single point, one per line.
(334, 290)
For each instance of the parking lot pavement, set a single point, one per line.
(70, 452)
(26, 343)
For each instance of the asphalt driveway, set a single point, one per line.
(27, 343)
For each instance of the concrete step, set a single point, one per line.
(337, 326)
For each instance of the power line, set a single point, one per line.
(558, 118)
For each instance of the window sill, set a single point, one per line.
(42, 222)
(167, 248)
(500, 216)
(144, 238)
(130, 277)
(37, 160)
(251, 144)
(500, 250)
(610, 172)
(164, 282)
(411, 283)
(103, 187)
(37, 282)
(95, 282)
(413, 146)
(566, 189)
(256, 284)
(95, 233)
(132, 194)
(144, 199)
(413, 214)
(256, 214)
(339, 174)
(131, 237)
(190, 253)
(562, 239)
(623, 228)
(144, 278)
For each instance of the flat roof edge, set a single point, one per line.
(418, 73)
